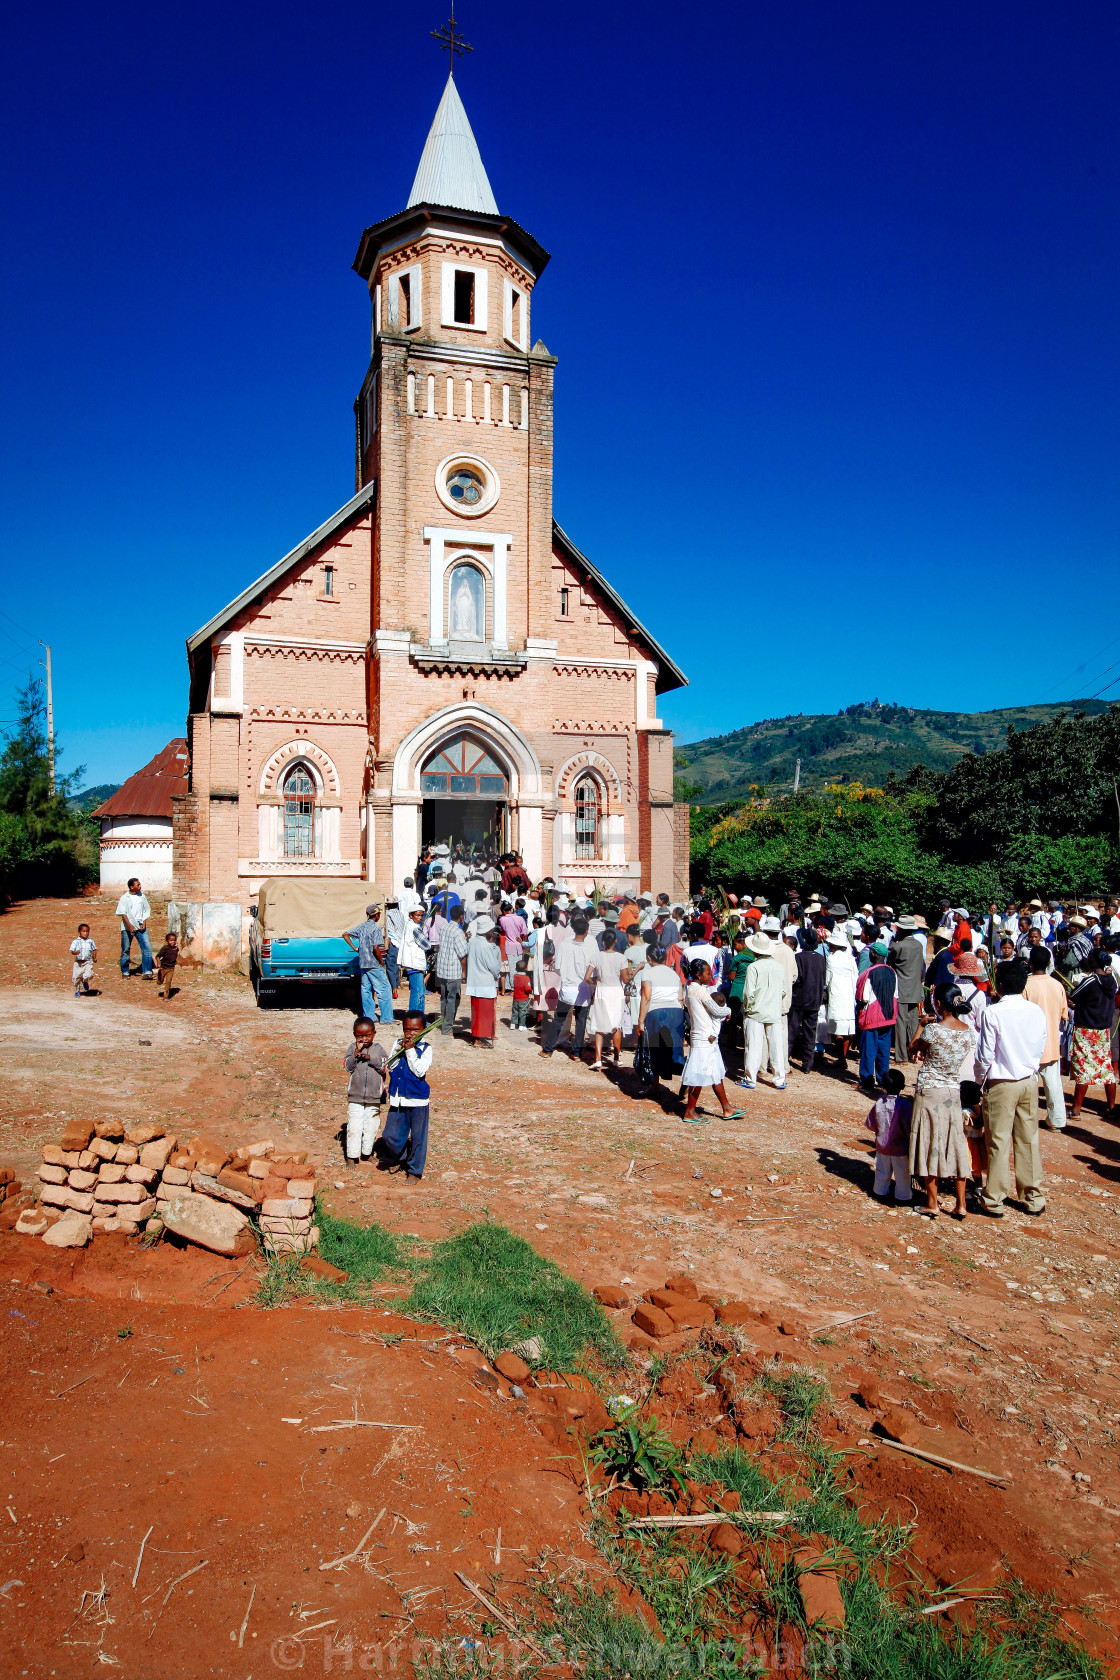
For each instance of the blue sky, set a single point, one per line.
(834, 293)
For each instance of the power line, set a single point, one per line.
(1110, 684)
(1086, 666)
(16, 626)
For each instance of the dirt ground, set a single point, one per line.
(143, 1392)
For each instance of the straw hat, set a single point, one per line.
(968, 966)
(760, 945)
(838, 939)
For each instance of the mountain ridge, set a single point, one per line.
(866, 742)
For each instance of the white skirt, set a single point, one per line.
(704, 1065)
(605, 1014)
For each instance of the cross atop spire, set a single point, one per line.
(451, 40)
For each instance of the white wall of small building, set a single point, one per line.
(136, 846)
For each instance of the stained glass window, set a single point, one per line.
(465, 486)
(464, 769)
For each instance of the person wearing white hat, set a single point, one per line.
(764, 992)
(841, 977)
(788, 961)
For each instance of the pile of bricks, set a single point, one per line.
(105, 1172)
(113, 1177)
(10, 1189)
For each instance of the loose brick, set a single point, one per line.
(653, 1321)
(111, 1129)
(141, 1175)
(156, 1154)
(512, 1367)
(127, 1154)
(303, 1189)
(611, 1295)
(726, 1538)
(287, 1207)
(682, 1284)
(111, 1173)
(735, 1312)
(76, 1136)
(231, 1179)
(80, 1180)
(53, 1156)
(666, 1298)
(691, 1315)
(103, 1149)
(259, 1169)
(121, 1193)
(176, 1175)
(145, 1131)
(50, 1174)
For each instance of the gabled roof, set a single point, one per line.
(669, 673)
(337, 522)
(451, 172)
(148, 793)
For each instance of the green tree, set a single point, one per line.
(44, 845)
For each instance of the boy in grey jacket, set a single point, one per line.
(366, 1063)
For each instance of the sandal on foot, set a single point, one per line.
(694, 1119)
(735, 1114)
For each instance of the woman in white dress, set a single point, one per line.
(706, 1014)
(610, 974)
(841, 977)
(546, 969)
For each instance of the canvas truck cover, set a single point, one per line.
(303, 909)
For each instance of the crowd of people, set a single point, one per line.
(720, 992)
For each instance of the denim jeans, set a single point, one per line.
(404, 1141)
(875, 1052)
(377, 995)
(145, 944)
(416, 991)
(392, 966)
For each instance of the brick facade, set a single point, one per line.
(412, 619)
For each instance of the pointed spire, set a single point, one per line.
(451, 171)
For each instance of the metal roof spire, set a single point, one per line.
(451, 172)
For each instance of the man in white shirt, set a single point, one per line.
(573, 960)
(135, 913)
(1012, 1044)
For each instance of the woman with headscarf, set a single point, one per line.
(706, 1013)
(938, 1146)
(841, 978)
(1094, 1005)
(546, 955)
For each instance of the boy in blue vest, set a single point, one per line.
(403, 1145)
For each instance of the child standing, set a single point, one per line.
(404, 1142)
(890, 1120)
(365, 1062)
(522, 996)
(166, 958)
(84, 952)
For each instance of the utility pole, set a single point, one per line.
(796, 776)
(50, 717)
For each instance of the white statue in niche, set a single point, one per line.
(468, 605)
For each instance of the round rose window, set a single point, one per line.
(465, 486)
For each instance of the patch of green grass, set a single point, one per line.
(282, 1280)
(368, 1252)
(800, 1393)
(498, 1290)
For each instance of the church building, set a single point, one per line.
(438, 660)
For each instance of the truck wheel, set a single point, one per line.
(264, 999)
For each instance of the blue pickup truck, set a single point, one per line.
(295, 936)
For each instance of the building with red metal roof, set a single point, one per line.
(136, 822)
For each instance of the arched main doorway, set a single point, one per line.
(465, 791)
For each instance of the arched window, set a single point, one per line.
(302, 821)
(587, 817)
(466, 605)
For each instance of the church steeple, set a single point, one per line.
(451, 172)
